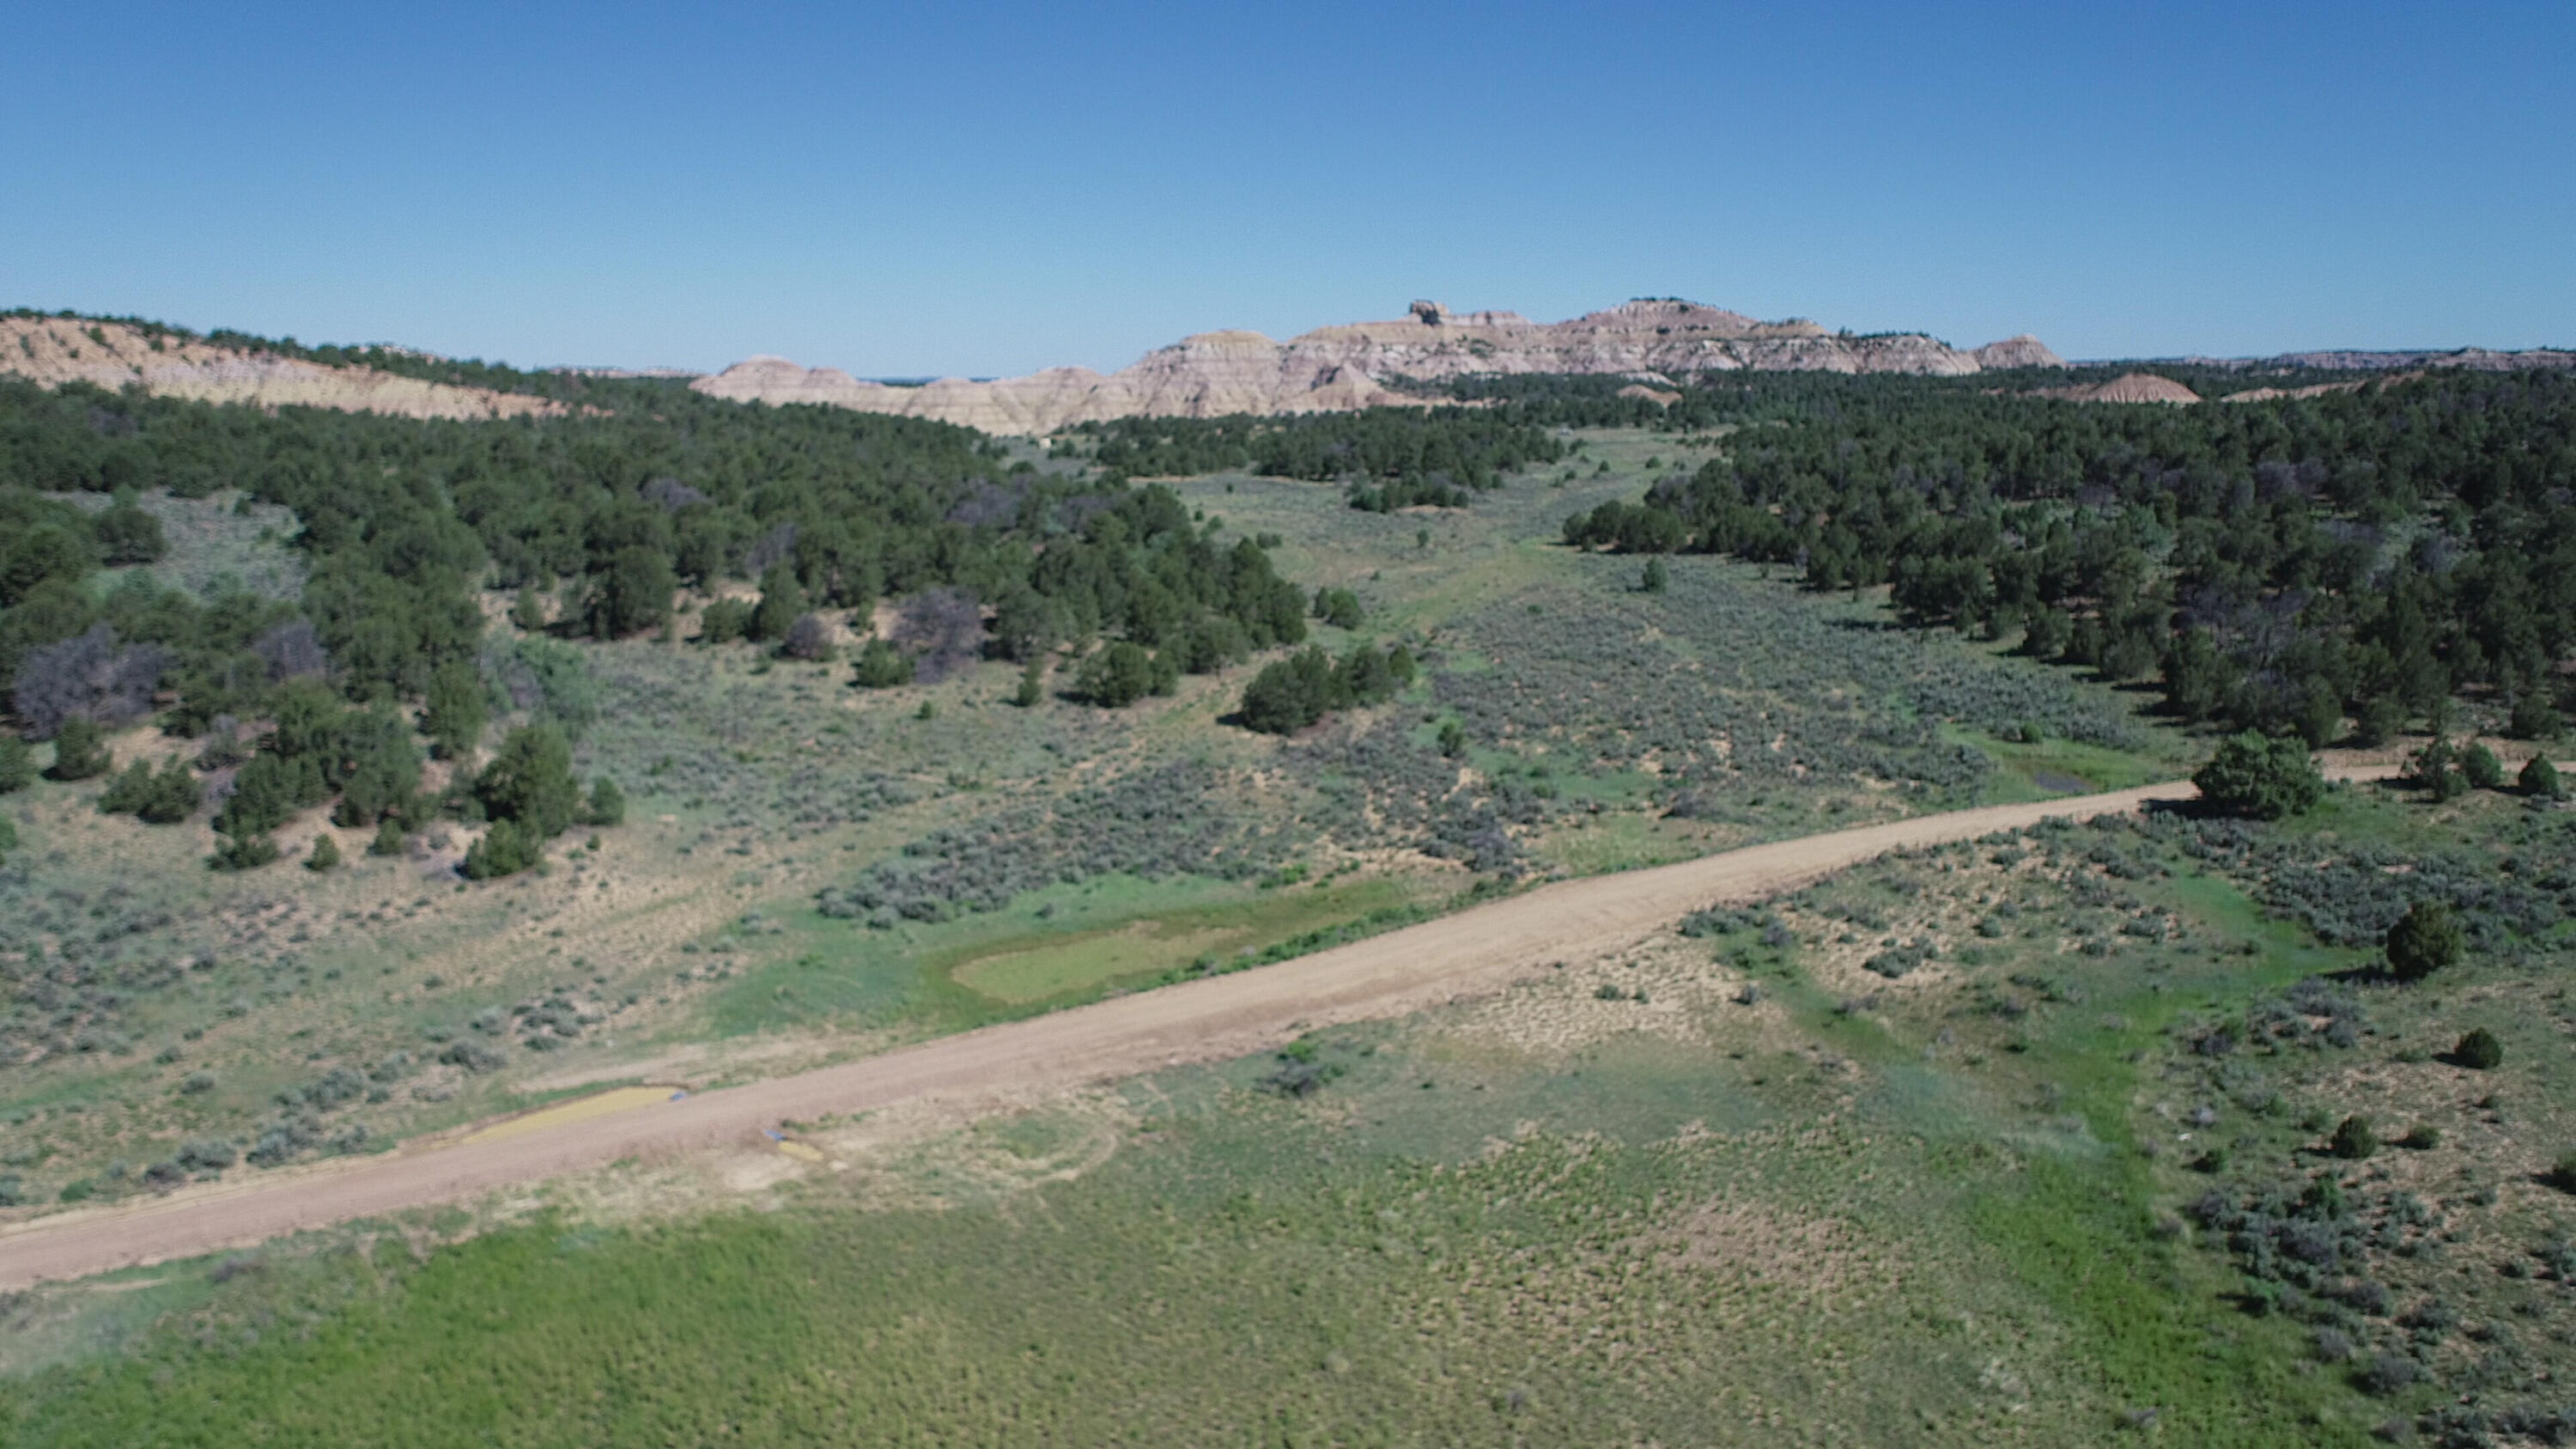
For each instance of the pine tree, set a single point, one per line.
(782, 601)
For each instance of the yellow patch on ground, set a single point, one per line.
(1034, 975)
(801, 1152)
(1049, 964)
(580, 1109)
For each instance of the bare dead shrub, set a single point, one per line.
(292, 651)
(944, 629)
(87, 677)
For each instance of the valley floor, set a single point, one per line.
(1206, 1020)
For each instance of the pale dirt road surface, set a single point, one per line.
(1473, 951)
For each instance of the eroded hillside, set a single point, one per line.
(1364, 364)
(115, 355)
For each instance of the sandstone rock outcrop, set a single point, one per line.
(2320, 389)
(1363, 364)
(2022, 351)
(2128, 387)
(56, 350)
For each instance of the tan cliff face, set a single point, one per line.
(56, 350)
(1362, 364)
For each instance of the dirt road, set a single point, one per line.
(1227, 1016)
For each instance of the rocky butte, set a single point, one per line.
(1362, 364)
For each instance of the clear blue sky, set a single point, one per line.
(986, 189)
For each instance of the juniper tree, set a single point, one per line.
(2260, 776)
(2424, 940)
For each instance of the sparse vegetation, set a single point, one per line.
(2019, 1137)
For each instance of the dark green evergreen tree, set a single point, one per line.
(607, 803)
(632, 595)
(530, 781)
(456, 711)
(80, 751)
(1117, 676)
(2539, 779)
(2425, 940)
(782, 602)
(880, 665)
(2261, 777)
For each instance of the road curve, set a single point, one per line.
(1474, 950)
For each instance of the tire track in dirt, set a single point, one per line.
(1476, 950)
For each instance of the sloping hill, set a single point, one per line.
(56, 350)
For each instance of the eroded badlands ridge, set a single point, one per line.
(1359, 364)
(56, 350)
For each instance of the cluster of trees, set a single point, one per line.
(1141, 568)
(530, 795)
(2279, 565)
(2446, 771)
(1294, 692)
(367, 763)
(1591, 400)
(1389, 457)
(643, 488)
(318, 748)
(163, 797)
(44, 538)
(1122, 673)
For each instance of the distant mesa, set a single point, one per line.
(55, 350)
(2473, 359)
(1364, 364)
(649, 374)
